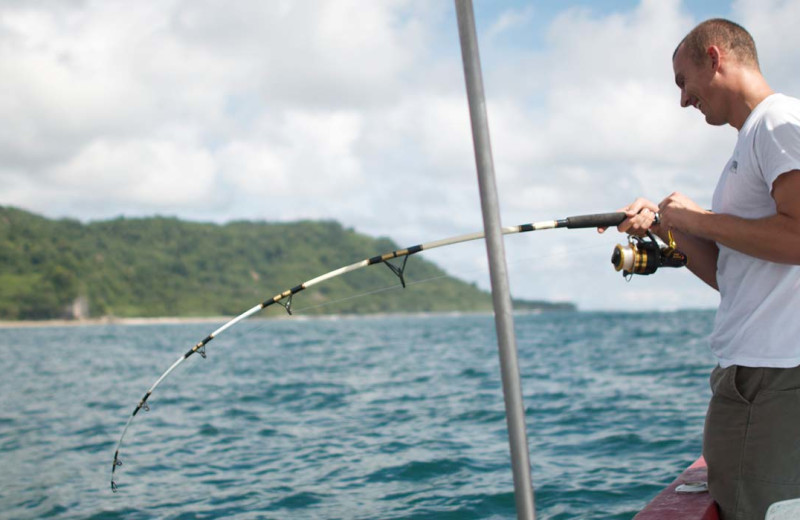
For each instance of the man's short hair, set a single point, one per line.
(726, 35)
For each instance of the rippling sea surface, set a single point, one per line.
(353, 418)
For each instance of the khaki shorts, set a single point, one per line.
(752, 439)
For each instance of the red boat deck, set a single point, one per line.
(669, 505)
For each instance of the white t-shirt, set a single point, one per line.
(758, 320)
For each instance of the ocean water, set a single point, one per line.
(396, 417)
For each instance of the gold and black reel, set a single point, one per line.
(644, 255)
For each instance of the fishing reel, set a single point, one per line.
(644, 255)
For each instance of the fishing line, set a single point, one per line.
(397, 266)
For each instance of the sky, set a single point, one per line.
(356, 111)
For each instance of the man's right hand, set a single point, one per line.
(641, 215)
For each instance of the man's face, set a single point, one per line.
(697, 88)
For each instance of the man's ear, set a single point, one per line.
(714, 54)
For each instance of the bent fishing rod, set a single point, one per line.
(640, 256)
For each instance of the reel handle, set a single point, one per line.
(597, 220)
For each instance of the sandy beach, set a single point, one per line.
(112, 321)
(173, 320)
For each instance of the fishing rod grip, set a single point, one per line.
(603, 220)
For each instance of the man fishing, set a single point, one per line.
(748, 248)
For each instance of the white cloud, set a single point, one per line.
(773, 26)
(156, 175)
(509, 19)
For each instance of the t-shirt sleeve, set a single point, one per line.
(778, 147)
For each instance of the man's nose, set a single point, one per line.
(685, 98)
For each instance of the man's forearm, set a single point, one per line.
(775, 238)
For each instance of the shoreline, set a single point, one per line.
(167, 320)
(187, 320)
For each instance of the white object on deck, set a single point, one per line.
(784, 510)
(693, 487)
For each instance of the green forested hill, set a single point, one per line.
(167, 267)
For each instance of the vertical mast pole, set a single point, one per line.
(501, 297)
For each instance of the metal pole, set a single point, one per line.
(504, 320)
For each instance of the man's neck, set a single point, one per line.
(750, 89)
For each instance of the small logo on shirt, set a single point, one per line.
(734, 166)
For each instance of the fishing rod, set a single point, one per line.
(639, 257)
